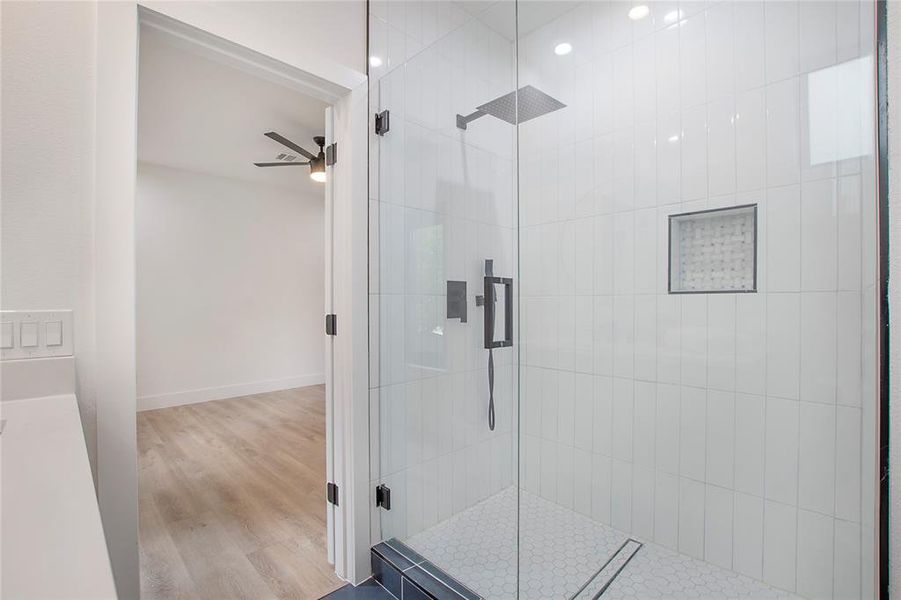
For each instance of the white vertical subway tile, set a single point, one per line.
(816, 458)
(815, 555)
(783, 131)
(849, 232)
(668, 75)
(603, 416)
(750, 138)
(621, 497)
(817, 35)
(819, 236)
(646, 164)
(721, 163)
(721, 349)
(847, 463)
(623, 336)
(846, 569)
(783, 345)
(646, 337)
(566, 390)
(644, 78)
(848, 348)
(645, 251)
(624, 253)
(692, 450)
(603, 254)
(669, 157)
(667, 428)
(720, 63)
(694, 152)
(623, 402)
(747, 535)
(603, 335)
(548, 470)
(643, 502)
(691, 518)
(584, 349)
(645, 416)
(549, 403)
(693, 63)
(583, 274)
(582, 481)
(818, 347)
(720, 438)
(584, 411)
(718, 526)
(623, 91)
(780, 524)
(750, 343)
(783, 252)
(750, 427)
(601, 488)
(669, 338)
(750, 40)
(565, 476)
(623, 169)
(694, 340)
(781, 476)
(782, 46)
(666, 510)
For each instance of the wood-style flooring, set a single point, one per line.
(232, 498)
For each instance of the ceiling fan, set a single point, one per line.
(316, 162)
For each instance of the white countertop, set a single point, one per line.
(52, 538)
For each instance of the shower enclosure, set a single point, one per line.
(623, 297)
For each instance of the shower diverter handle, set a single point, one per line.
(489, 300)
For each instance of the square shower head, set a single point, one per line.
(532, 103)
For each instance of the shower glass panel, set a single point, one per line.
(624, 296)
(444, 210)
(730, 428)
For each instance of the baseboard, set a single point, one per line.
(227, 391)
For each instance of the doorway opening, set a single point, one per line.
(231, 277)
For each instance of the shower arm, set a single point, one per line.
(464, 120)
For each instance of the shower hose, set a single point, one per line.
(490, 390)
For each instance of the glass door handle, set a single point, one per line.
(489, 301)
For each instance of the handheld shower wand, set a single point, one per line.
(489, 301)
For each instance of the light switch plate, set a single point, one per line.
(36, 334)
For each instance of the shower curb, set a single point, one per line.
(408, 575)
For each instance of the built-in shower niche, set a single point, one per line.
(713, 251)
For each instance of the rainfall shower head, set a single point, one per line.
(532, 103)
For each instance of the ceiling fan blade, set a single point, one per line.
(282, 164)
(288, 143)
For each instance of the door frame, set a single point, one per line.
(195, 27)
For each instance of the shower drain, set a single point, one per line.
(598, 583)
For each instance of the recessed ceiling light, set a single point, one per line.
(672, 16)
(375, 61)
(563, 48)
(639, 12)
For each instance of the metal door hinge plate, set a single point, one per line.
(383, 122)
(383, 496)
(331, 493)
(331, 154)
(331, 324)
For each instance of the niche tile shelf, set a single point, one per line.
(713, 251)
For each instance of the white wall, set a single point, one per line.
(230, 280)
(48, 53)
(735, 428)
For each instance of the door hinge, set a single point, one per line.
(383, 496)
(331, 154)
(331, 324)
(331, 493)
(383, 122)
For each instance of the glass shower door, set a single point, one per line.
(444, 210)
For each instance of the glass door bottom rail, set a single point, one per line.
(564, 554)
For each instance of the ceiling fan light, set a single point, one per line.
(317, 169)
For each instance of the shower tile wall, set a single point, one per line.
(733, 428)
(442, 201)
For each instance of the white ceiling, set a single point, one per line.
(200, 115)
(507, 19)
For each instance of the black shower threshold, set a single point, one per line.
(408, 575)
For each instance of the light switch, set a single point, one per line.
(28, 334)
(6, 335)
(54, 333)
